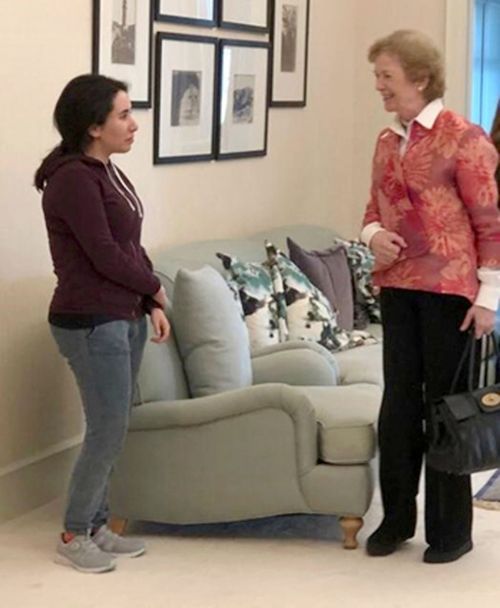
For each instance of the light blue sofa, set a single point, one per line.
(300, 440)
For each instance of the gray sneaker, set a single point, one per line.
(113, 544)
(84, 555)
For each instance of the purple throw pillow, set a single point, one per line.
(329, 271)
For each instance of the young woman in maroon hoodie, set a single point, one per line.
(105, 285)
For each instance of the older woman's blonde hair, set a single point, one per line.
(418, 56)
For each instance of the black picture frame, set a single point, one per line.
(289, 90)
(230, 23)
(185, 106)
(243, 113)
(186, 19)
(131, 60)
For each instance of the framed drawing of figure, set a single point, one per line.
(121, 45)
(185, 94)
(243, 99)
(290, 24)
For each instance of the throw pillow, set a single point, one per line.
(212, 338)
(366, 301)
(329, 271)
(309, 314)
(261, 308)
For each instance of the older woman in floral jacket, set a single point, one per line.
(433, 225)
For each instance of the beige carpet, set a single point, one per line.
(288, 563)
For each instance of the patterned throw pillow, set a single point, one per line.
(329, 271)
(309, 314)
(254, 284)
(366, 302)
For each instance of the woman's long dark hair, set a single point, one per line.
(85, 101)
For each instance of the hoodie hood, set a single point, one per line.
(57, 159)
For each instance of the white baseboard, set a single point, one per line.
(32, 482)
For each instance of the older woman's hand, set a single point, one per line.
(386, 247)
(482, 318)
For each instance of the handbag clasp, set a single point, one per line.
(490, 399)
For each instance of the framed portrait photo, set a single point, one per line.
(249, 15)
(243, 99)
(289, 35)
(121, 45)
(185, 98)
(191, 12)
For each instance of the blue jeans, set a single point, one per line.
(105, 360)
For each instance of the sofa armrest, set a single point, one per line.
(299, 367)
(185, 413)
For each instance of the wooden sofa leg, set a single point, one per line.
(118, 525)
(350, 527)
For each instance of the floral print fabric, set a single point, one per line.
(441, 196)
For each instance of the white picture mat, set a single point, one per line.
(194, 9)
(194, 57)
(137, 75)
(243, 137)
(289, 86)
(249, 12)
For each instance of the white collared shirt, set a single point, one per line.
(489, 290)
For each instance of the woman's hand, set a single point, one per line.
(386, 247)
(482, 318)
(161, 297)
(161, 326)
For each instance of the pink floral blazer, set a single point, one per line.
(441, 196)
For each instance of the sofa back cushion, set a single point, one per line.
(212, 337)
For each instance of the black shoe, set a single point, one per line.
(436, 556)
(385, 541)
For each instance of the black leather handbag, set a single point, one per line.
(464, 429)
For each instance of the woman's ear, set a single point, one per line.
(422, 84)
(94, 131)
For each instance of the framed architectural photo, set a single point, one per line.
(250, 15)
(121, 45)
(243, 99)
(185, 98)
(193, 12)
(290, 25)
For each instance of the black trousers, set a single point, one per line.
(422, 348)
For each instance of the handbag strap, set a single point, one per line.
(470, 349)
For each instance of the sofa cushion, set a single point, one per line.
(254, 284)
(361, 365)
(366, 302)
(212, 337)
(346, 418)
(329, 271)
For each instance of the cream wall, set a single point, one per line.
(316, 171)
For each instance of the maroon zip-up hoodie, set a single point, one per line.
(93, 218)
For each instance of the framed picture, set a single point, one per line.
(250, 15)
(243, 99)
(121, 45)
(289, 59)
(193, 12)
(185, 98)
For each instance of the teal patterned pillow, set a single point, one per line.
(260, 304)
(366, 302)
(309, 313)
